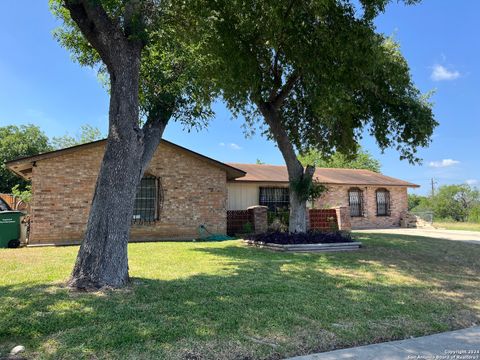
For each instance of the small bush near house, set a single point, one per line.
(247, 228)
(310, 237)
(279, 216)
(332, 223)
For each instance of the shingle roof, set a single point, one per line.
(275, 173)
(23, 166)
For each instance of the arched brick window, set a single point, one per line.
(148, 201)
(383, 202)
(355, 202)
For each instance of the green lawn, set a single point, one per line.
(457, 226)
(228, 301)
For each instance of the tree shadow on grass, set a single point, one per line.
(265, 305)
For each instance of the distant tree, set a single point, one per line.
(16, 142)
(419, 203)
(360, 160)
(88, 133)
(474, 214)
(260, 162)
(414, 200)
(455, 201)
(24, 195)
(314, 74)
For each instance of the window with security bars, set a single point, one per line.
(383, 202)
(275, 198)
(355, 202)
(148, 200)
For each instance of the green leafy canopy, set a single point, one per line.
(17, 142)
(360, 160)
(169, 83)
(340, 76)
(87, 133)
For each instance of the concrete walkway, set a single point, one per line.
(458, 235)
(453, 345)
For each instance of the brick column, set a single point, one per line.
(343, 218)
(259, 216)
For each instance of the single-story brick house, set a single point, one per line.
(373, 200)
(182, 190)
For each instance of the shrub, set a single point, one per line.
(277, 225)
(247, 228)
(332, 224)
(280, 215)
(309, 237)
(474, 215)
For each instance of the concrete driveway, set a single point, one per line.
(457, 235)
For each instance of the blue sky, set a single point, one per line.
(39, 84)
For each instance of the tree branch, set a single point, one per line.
(277, 77)
(273, 120)
(134, 20)
(103, 34)
(152, 135)
(277, 74)
(285, 90)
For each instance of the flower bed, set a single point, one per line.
(304, 242)
(310, 237)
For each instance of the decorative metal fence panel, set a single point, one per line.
(323, 219)
(239, 222)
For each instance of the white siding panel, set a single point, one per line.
(243, 195)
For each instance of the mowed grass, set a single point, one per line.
(228, 301)
(457, 226)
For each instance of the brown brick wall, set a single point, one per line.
(343, 218)
(260, 218)
(194, 193)
(337, 195)
(322, 219)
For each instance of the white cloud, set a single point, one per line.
(440, 73)
(232, 146)
(443, 163)
(472, 181)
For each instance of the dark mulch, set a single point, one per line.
(310, 237)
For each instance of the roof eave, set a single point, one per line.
(328, 183)
(24, 171)
(232, 172)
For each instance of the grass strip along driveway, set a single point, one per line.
(229, 301)
(457, 226)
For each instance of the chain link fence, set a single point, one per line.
(424, 215)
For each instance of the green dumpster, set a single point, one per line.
(10, 229)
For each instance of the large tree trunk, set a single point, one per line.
(102, 259)
(298, 202)
(296, 172)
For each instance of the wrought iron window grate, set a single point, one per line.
(275, 198)
(148, 201)
(383, 202)
(355, 202)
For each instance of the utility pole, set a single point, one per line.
(433, 186)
